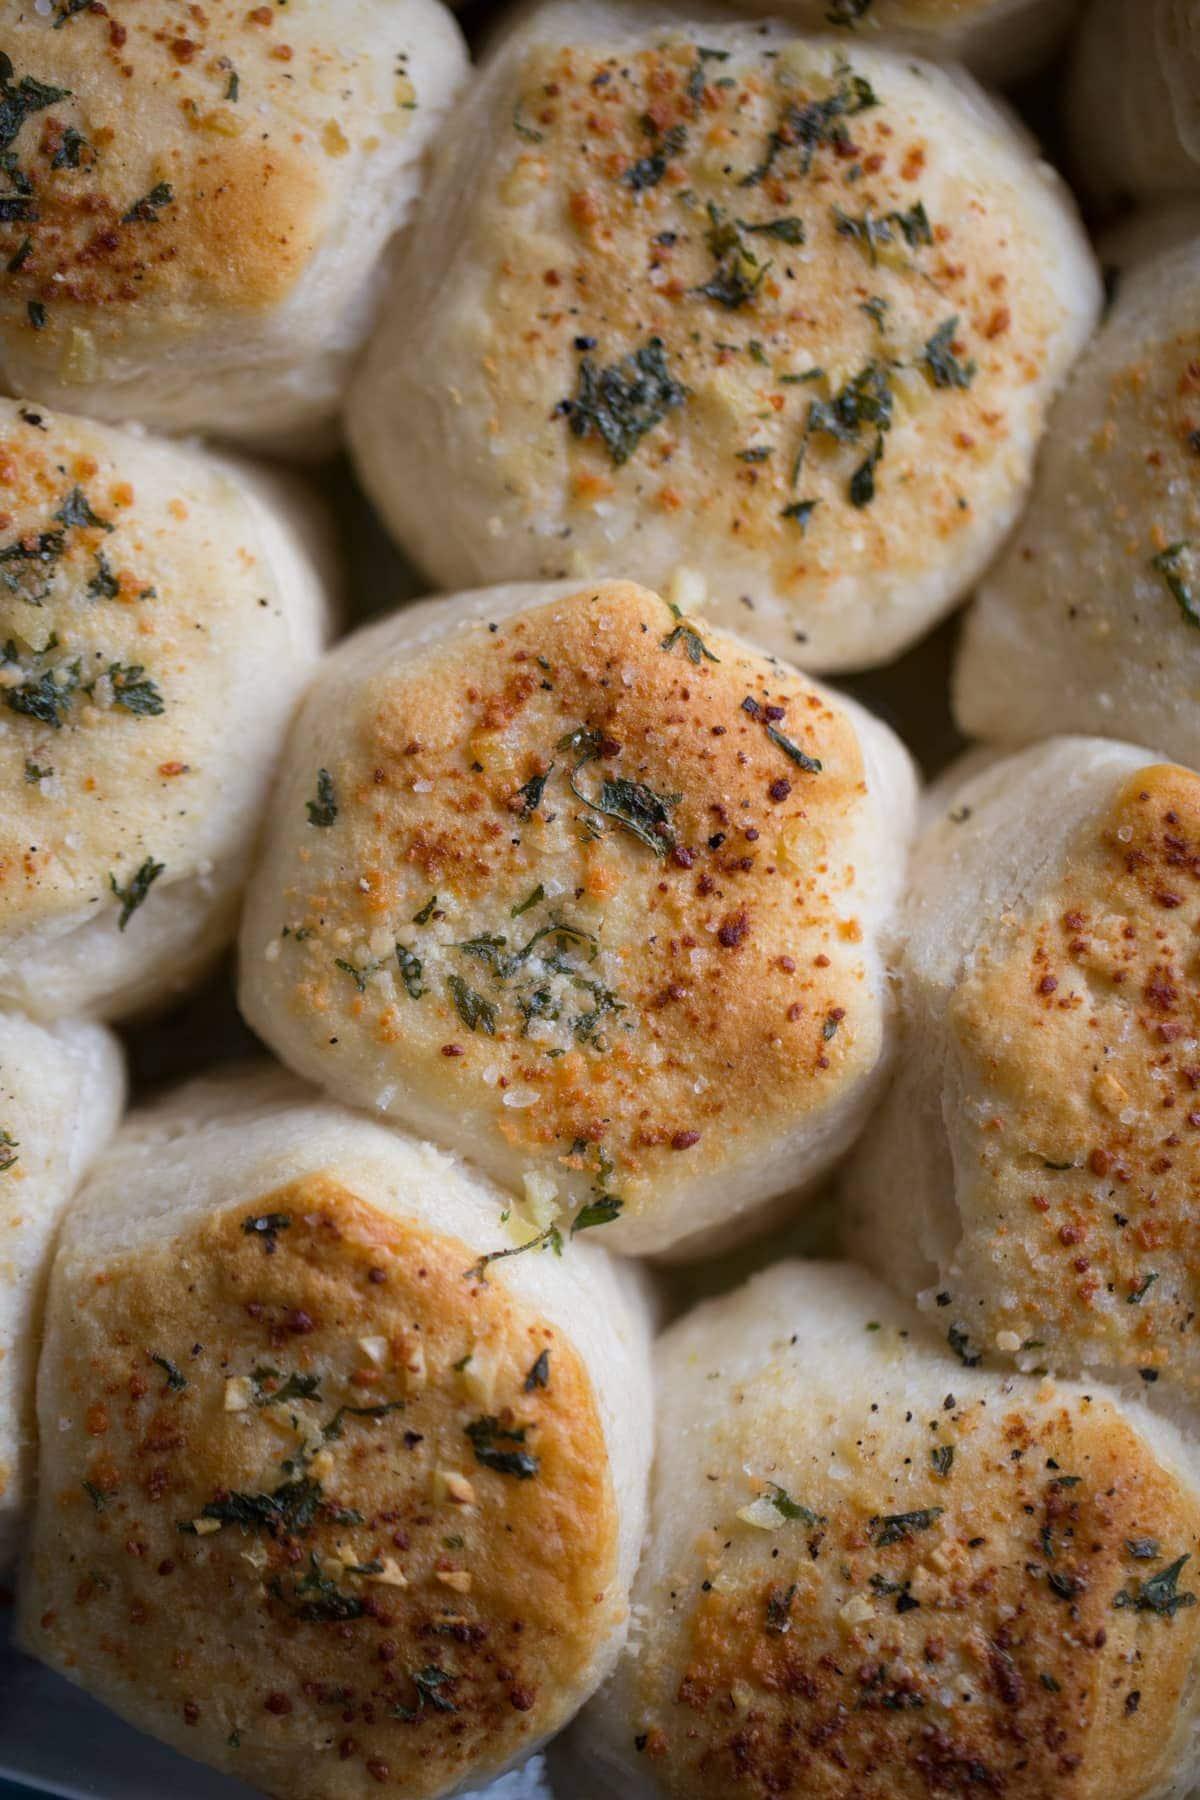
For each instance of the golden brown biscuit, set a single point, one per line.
(592, 893)
(1032, 1174)
(199, 199)
(159, 612)
(60, 1095)
(872, 1574)
(707, 295)
(326, 1500)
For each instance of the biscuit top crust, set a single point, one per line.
(984, 1593)
(584, 879)
(167, 161)
(1077, 1024)
(137, 615)
(327, 1499)
(796, 300)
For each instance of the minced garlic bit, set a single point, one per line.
(239, 1393)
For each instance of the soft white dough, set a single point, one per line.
(848, 1580)
(1132, 111)
(161, 611)
(830, 448)
(713, 1030)
(1090, 620)
(61, 1089)
(208, 249)
(1029, 1178)
(331, 1199)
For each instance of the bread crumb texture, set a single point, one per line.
(988, 1597)
(137, 615)
(1077, 1025)
(166, 162)
(319, 1505)
(764, 290)
(623, 848)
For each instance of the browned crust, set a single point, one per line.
(1079, 1023)
(737, 951)
(615, 257)
(148, 93)
(204, 1638)
(996, 1663)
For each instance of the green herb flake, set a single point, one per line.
(176, 1379)
(551, 1239)
(1175, 565)
(476, 1013)
(97, 1496)
(38, 317)
(359, 976)
(792, 1510)
(539, 1374)
(134, 893)
(942, 366)
(21, 100)
(783, 230)
(333, 1430)
(426, 913)
(816, 124)
(531, 791)
(134, 691)
(620, 404)
(146, 210)
(800, 511)
(488, 1438)
(428, 1683)
(1159, 1593)
(8, 1151)
(960, 1342)
(411, 969)
(76, 513)
(296, 1387)
(530, 901)
(896, 1528)
(601, 1211)
(324, 809)
(1138, 1293)
(942, 1458)
(685, 635)
(267, 1226)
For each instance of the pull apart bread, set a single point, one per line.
(331, 1496)
(593, 894)
(783, 312)
(160, 612)
(1032, 1176)
(873, 1572)
(203, 199)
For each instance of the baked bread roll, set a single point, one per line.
(591, 893)
(61, 1089)
(200, 200)
(1031, 1176)
(386, 1493)
(159, 613)
(1090, 621)
(1133, 116)
(999, 39)
(870, 1571)
(786, 322)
